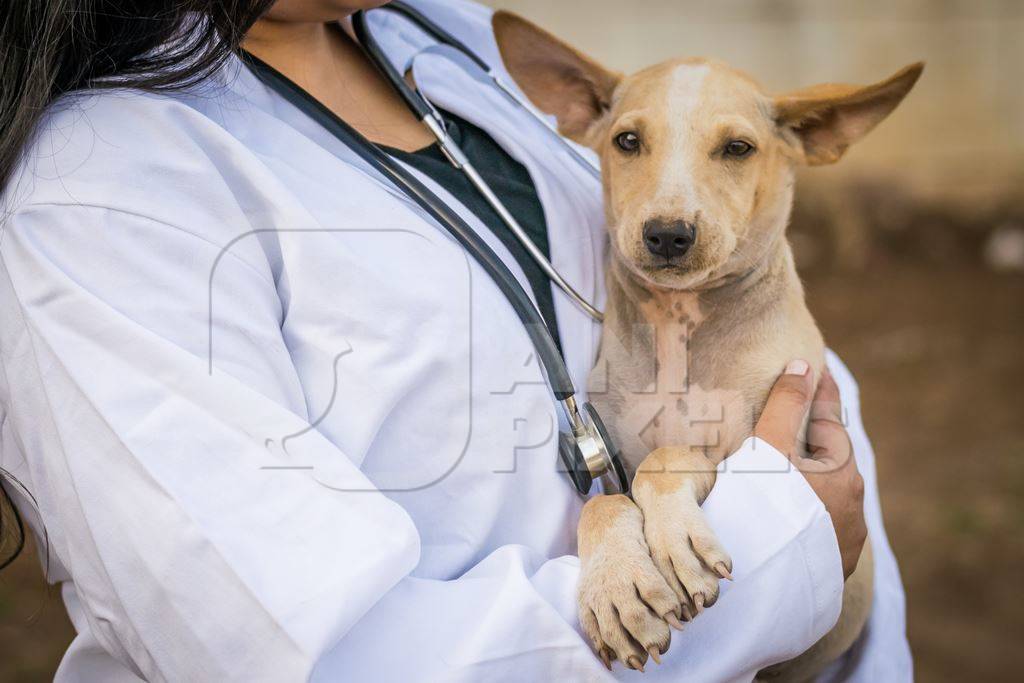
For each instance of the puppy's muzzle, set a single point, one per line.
(669, 238)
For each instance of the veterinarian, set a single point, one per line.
(272, 423)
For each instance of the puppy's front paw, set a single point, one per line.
(682, 545)
(687, 554)
(624, 602)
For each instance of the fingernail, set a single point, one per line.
(797, 367)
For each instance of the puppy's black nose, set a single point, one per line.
(669, 238)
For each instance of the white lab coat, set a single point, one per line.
(278, 425)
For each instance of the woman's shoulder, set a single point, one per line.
(125, 158)
(111, 147)
(173, 161)
(135, 168)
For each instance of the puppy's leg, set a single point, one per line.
(669, 487)
(623, 600)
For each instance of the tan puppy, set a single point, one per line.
(704, 309)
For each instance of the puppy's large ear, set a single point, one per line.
(829, 118)
(557, 78)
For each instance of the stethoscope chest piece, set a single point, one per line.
(588, 452)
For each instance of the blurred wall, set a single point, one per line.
(959, 135)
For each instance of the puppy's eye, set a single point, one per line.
(738, 149)
(628, 142)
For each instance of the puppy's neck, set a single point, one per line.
(632, 301)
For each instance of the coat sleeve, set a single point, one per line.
(200, 549)
(513, 616)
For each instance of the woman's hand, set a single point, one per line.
(826, 460)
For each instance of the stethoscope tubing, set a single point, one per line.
(444, 37)
(422, 109)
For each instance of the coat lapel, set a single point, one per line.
(569, 194)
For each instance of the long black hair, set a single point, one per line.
(52, 47)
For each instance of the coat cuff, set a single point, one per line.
(793, 515)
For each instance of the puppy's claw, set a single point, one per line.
(655, 655)
(687, 613)
(634, 663)
(723, 571)
(673, 621)
(605, 658)
(698, 601)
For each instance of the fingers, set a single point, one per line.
(828, 442)
(784, 413)
(827, 404)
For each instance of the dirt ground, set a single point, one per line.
(939, 353)
(940, 359)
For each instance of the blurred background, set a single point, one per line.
(912, 248)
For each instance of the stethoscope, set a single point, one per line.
(425, 111)
(586, 450)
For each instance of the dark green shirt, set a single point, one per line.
(510, 181)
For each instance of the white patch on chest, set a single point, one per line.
(674, 410)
